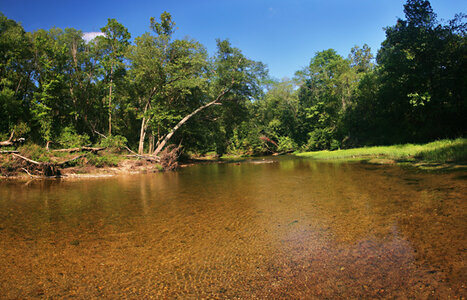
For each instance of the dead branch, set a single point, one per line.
(8, 151)
(100, 134)
(26, 170)
(11, 141)
(131, 151)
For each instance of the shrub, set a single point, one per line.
(286, 144)
(98, 161)
(70, 139)
(34, 152)
(116, 142)
(319, 139)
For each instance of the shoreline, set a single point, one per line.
(443, 155)
(109, 172)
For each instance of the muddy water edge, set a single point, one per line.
(286, 228)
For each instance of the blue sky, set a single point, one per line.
(282, 34)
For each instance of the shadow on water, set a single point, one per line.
(283, 227)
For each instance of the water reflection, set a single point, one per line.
(292, 228)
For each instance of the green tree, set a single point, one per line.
(163, 73)
(15, 74)
(235, 79)
(324, 94)
(113, 45)
(272, 118)
(422, 97)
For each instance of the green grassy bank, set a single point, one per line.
(442, 151)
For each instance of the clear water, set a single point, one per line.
(280, 228)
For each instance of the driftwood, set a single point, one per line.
(80, 149)
(11, 141)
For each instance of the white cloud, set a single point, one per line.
(88, 36)
(272, 11)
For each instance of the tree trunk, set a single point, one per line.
(151, 142)
(110, 101)
(142, 134)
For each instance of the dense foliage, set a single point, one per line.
(57, 88)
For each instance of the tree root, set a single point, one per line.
(169, 157)
(45, 168)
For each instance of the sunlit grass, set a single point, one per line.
(438, 151)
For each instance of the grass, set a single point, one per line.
(441, 151)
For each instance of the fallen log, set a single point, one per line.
(80, 149)
(146, 157)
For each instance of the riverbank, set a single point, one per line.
(32, 161)
(450, 154)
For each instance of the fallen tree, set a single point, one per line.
(185, 119)
(235, 78)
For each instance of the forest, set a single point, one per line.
(59, 91)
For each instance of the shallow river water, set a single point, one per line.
(287, 228)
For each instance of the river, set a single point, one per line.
(283, 228)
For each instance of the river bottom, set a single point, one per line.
(285, 229)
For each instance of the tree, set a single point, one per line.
(235, 79)
(272, 120)
(422, 97)
(324, 95)
(163, 73)
(113, 45)
(15, 74)
(361, 59)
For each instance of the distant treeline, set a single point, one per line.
(58, 89)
